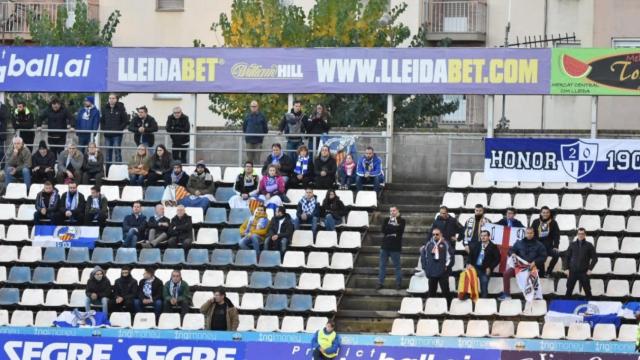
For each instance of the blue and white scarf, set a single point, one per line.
(71, 202)
(174, 289)
(308, 206)
(302, 165)
(176, 177)
(275, 160)
(52, 200)
(147, 288)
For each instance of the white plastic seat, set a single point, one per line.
(131, 193)
(196, 213)
(34, 189)
(633, 224)
(481, 182)
(16, 191)
(169, 321)
(435, 306)
(318, 260)
(120, 319)
(341, 261)
(402, 327)
(596, 202)
(77, 298)
(144, 321)
(549, 200)
(453, 200)
(571, 202)
(530, 185)
(506, 184)
(7, 211)
(564, 243)
(8, 253)
(333, 282)
(630, 245)
(216, 172)
(292, 324)
(524, 201)
(117, 173)
(554, 185)
(325, 303)
(579, 332)
(25, 212)
(293, 259)
(302, 238)
(252, 301)
(21, 318)
(460, 180)
(192, 277)
(410, 306)
(67, 276)
(163, 274)
(231, 173)
(427, 327)
(500, 201)
(315, 323)
(246, 323)
(17, 232)
(30, 254)
(537, 307)
(597, 287)
(32, 297)
(477, 328)
(326, 239)
(365, 199)
(566, 222)
(56, 297)
(237, 279)
(577, 186)
(528, 330)
(485, 307)
(617, 288)
(201, 297)
(625, 186)
(625, 266)
(309, 281)
(111, 192)
(85, 190)
(453, 328)
(418, 285)
(512, 307)
(502, 329)
(493, 218)
(268, 323)
(45, 318)
(207, 236)
(193, 322)
(613, 223)
(212, 278)
(603, 266)
(475, 198)
(620, 202)
(350, 240)
(358, 219)
(628, 332)
(461, 307)
(601, 186)
(552, 331)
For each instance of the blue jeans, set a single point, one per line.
(330, 222)
(346, 180)
(313, 220)
(251, 242)
(136, 180)
(395, 259)
(280, 243)
(484, 282)
(84, 139)
(138, 306)
(104, 302)
(113, 142)
(131, 238)
(26, 176)
(361, 180)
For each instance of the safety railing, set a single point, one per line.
(464, 153)
(456, 16)
(15, 15)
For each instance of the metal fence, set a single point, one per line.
(464, 153)
(15, 15)
(456, 16)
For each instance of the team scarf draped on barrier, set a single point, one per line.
(66, 236)
(526, 277)
(468, 284)
(568, 312)
(77, 318)
(504, 237)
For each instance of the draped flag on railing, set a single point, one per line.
(66, 236)
(504, 237)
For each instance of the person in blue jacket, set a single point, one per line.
(509, 219)
(326, 342)
(528, 249)
(88, 118)
(369, 170)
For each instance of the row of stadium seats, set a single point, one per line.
(462, 180)
(528, 201)
(120, 172)
(505, 329)
(210, 278)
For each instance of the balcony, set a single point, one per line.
(461, 21)
(14, 15)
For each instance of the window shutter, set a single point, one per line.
(170, 5)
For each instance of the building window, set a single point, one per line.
(625, 42)
(169, 5)
(167, 96)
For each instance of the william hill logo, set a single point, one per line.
(618, 71)
(245, 70)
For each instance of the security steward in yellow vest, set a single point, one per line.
(326, 342)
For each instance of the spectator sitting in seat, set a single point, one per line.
(272, 188)
(448, 225)
(471, 231)
(369, 170)
(134, 225)
(160, 167)
(530, 250)
(139, 166)
(125, 291)
(509, 219)
(484, 256)
(70, 164)
(180, 230)
(149, 293)
(177, 294)
(201, 182)
(71, 206)
(280, 231)
(246, 186)
(347, 172)
(93, 169)
(282, 161)
(308, 211)
(46, 205)
(43, 164)
(98, 290)
(325, 169)
(332, 211)
(219, 313)
(436, 258)
(303, 169)
(253, 230)
(18, 163)
(178, 177)
(547, 232)
(157, 228)
(174, 195)
(96, 208)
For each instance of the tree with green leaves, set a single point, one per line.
(330, 23)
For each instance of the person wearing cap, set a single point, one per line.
(88, 120)
(43, 164)
(70, 164)
(143, 126)
(125, 291)
(178, 127)
(201, 181)
(59, 121)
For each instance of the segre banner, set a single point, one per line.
(562, 160)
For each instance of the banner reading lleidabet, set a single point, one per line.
(595, 71)
(562, 160)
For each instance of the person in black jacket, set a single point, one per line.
(59, 121)
(317, 124)
(133, 226)
(43, 164)
(71, 206)
(292, 125)
(157, 227)
(325, 168)
(4, 120)
(161, 167)
(98, 290)
(180, 230)
(332, 210)
(46, 205)
(113, 118)
(149, 293)
(23, 121)
(528, 249)
(178, 127)
(510, 220)
(581, 258)
(484, 256)
(179, 177)
(254, 123)
(392, 232)
(280, 231)
(93, 167)
(548, 233)
(281, 160)
(436, 258)
(125, 291)
(303, 172)
(246, 186)
(447, 224)
(96, 209)
(143, 126)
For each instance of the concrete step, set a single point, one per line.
(414, 187)
(364, 285)
(373, 259)
(349, 324)
(371, 303)
(410, 198)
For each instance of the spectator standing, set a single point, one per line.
(18, 163)
(484, 256)
(308, 211)
(253, 230)
(326, 342)
(246, 186)
(139, 166)
(150, 290)
(303, 171)
(325, 169)
(93, 167)
(510, 220)
(178, 128)
(143, 126)
(282, 161)
(369, 170)
(157, 228)
(392, 232)
(292, 125)
(272, 188)
(4, 120)
(177, 294)
(581, 258)
(317, 124)
(254, 123)
(332, 210)
(125, 291)
(59, 122)
(220, 313)
(133, 226)
(528, 249)
(96, 208)
(180, 230)
(23, 122)
(114, 119)
(98, 290)
(347, 172)
(471, 231)
(43, 164)
(280, 231)
(435, 258)
(547, 232)
(448, 225)
(71, 206)
(160, 167)
(70, 164)
(46, 205)
(87, 119)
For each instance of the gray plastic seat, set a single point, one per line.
(78, 255)
(221, 257)
(269, 259)
(19, 275)
(238, 216)
(111, 235)
(276, 302)
(284, 281)
(153, 194)
(43, 275)
(173, 257)
(9, 296)
(102, 255)
(229, 236)
(150, 256)
(198, 256)
(300, 303)
(223, 194)
(54, 255)
(260, 280)
(118, 213)
(245, 258)
(215, 216)
(126, 256)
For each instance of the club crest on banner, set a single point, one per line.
(579, 158)
(66, 233)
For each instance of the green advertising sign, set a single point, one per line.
(595, 71)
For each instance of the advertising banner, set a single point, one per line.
(562, 160)
(555, 355)
(595, 71)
